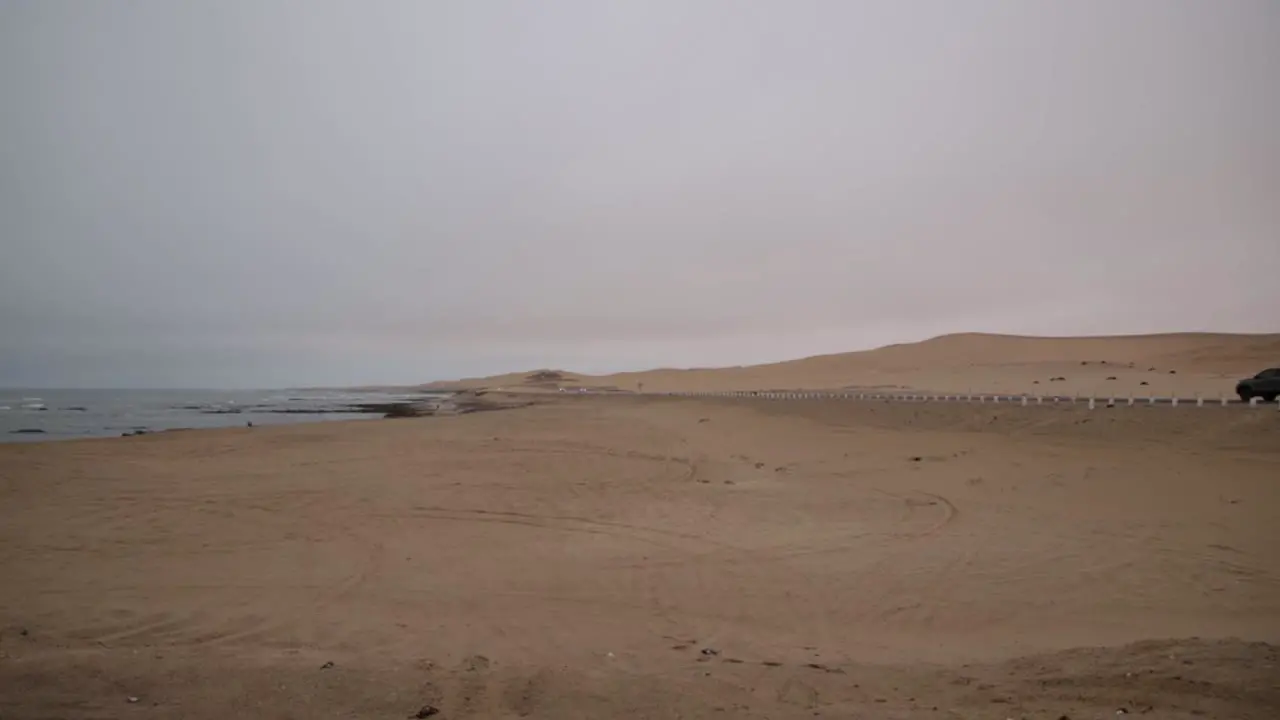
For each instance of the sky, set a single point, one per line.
(260, 193)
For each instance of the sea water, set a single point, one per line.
(34, 415)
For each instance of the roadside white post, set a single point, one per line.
(1090, 402)
(1199, 400)
(1175, 400)
(1253, 402)
(1024, 401)
(1039, 399)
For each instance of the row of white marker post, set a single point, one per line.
(1023, 400)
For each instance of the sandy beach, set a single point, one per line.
(653, 557)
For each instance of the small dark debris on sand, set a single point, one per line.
(426, 711)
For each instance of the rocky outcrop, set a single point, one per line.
(546, 376)
(459, 404)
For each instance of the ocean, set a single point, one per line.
(41, 415)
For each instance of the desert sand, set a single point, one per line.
(627, 556)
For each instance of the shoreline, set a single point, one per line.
(59, 415)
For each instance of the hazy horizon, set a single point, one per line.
(269, 194)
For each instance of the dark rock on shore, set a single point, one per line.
(428, 406)
(399, 408)
(27, 431)
(459, 404)
(405, 410)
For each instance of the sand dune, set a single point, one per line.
(628, 557)
(1183, 363)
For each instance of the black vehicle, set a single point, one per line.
(1265, 385)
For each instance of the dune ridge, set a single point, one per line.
(1184, 363)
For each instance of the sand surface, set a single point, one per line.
(648, 557)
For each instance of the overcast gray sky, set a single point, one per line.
(263, 193)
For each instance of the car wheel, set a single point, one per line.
(1244, 395)
(1269, 397)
